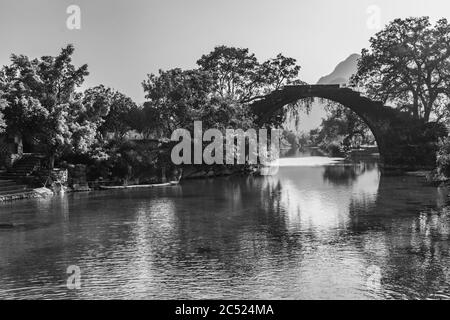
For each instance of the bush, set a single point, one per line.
(334, 149)
(443, 158)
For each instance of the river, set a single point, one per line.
(318, 229)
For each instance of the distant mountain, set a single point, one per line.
(341, 75)
(342, 72)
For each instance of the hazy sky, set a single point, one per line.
(122, 41)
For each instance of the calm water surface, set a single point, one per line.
(318, 229)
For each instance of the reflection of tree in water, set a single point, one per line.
(341, 175)
(406, 232)
(247, 227)
(348, 173)
(289, 152)
(303, 152)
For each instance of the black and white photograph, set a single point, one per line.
(224, 155)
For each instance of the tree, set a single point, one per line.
(235, 72)
(341, 130)
(176, 97)
(143, 119)
(2, 123)
(43, 103)
(23, 112)
(218, 92)
(343, 122)
(109, 109)
(240, 76)
(408, 65)
(3, 105)
(278, 72)
(118, 121)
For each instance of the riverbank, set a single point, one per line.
(78, 181)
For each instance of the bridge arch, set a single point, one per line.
(403, 141)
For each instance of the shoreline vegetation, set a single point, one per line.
(188, 172)
(55, 136)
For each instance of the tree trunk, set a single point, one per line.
(416, 106)
(426, 116)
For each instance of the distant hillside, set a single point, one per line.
(340, 75)
(342, 72)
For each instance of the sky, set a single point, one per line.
(123, 41)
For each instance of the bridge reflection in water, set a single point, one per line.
(308, 232)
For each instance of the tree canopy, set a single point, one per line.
(218, 92)
(408, 65)
(240, 76)
(40, 100)
(109, 109)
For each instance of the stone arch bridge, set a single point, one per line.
(403, 141)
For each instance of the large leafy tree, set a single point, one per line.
(176, 97)
(344, 127)
(22, 110)
(109, 109)
(235, 71)
(144, 119)
(240, 76)
(278, 72)
(119, 121)
(408, 65)
(218, 92)
(43, 103)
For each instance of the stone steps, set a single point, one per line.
(22, 168)
(10, 190)
(18, 196)
(14, 187)
(12, 176)
(6, 183)
(14, 191)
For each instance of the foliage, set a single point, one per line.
(408, 65)
(110, 110)
(443, 158)
(177, 98)
(240, 77)
(3, 105)
(234, 70)
(42, 101)
(218, 92)
(333, 148)
(127, 161)
(341, 130)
